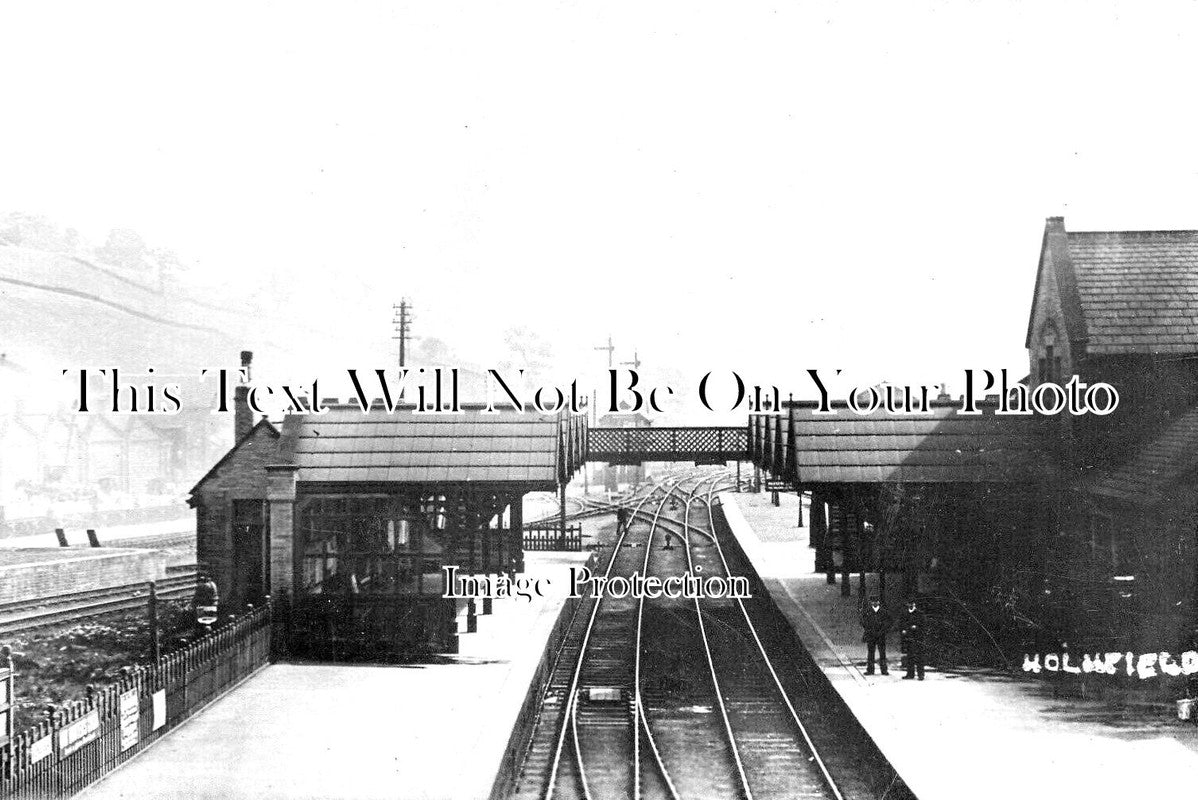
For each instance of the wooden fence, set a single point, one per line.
(85, 740)
(550, 537)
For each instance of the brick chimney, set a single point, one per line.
(243, 418)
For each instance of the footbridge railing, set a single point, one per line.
(637, 445)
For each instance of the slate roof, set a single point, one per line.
(941, 447)
(346, 446)
(1156, 467)
(1138, 290)
(247, 436)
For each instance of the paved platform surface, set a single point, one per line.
(346, 731)
(958, 735)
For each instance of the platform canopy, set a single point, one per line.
(345, 446)
(942, 446)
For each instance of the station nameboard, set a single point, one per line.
(779, 486)
(78, 733)
(40, 749)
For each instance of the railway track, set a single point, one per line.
(548, 762)
(586, 506)
(774, 754)
(669, 697)
(72, 606)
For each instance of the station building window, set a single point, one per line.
(371, 546)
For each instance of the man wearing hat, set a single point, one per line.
(912, 632)
(875, 622)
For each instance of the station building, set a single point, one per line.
(1122, 307)
(351, 515)
(951, 500)
(1082, 527)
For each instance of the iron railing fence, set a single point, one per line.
(84, 740)
(550, 537)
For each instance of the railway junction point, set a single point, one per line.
(338, 730)
(1007, 737)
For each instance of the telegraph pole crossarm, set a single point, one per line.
(610, 351)
(403, 327)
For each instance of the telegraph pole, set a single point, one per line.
(610, 350)
(402, 322)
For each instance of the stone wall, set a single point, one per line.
(32, 572)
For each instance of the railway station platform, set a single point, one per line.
(960, 734)
(108, 533)
(438, 729)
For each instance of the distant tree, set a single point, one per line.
(125, 248)
(167, 260)
(37, 232)
(528, 351)
(432, 351)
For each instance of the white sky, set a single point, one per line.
(769, 187)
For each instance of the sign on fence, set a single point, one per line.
(41, 748)
(82, 744)
(130, 717)
(78, 733)
(159, 709)
(6, 698)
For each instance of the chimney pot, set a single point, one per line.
(243, 418)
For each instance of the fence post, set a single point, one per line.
(54, 716)
(562, 514)
(152, 612)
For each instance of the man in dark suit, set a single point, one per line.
(875, 623)
(913, 631)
